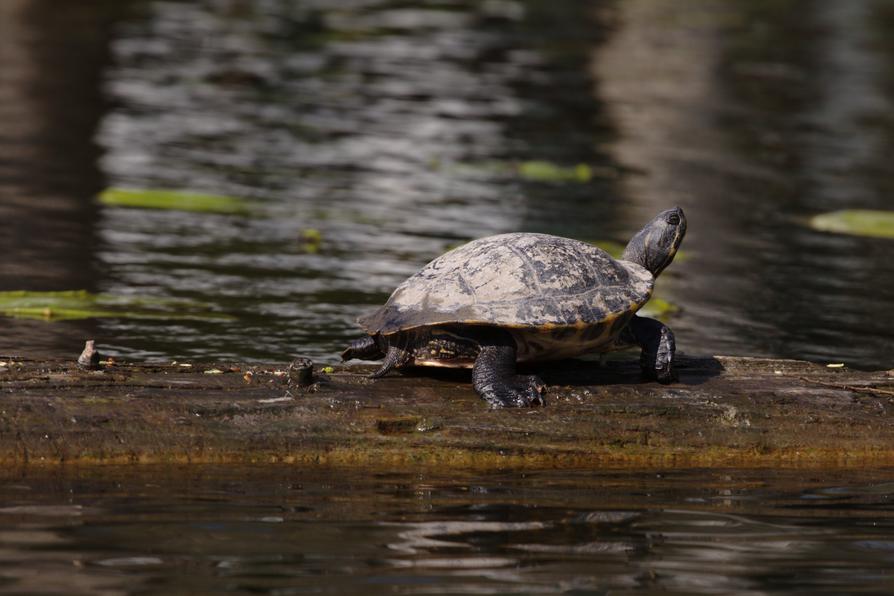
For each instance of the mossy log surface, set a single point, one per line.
(724, 412)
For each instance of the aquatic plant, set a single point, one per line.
(659, 308)
(544, 171)
(311, 239)
(174, 200)
(856, 222)
(81, 304)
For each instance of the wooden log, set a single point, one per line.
(725, 411)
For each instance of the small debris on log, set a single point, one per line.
(90, 357)
(854, 388)
(301, 372)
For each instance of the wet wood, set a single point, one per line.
(724, 412)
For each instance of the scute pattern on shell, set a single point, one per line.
(515, 280)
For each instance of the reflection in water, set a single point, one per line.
(284, 530)
(756, 116)
(393, 131)
(53, 57)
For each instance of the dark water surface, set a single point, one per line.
(399, 129)
(283, 531)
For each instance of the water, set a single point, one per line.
(285, 531)
(397, 130)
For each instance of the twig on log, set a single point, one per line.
(854, 388)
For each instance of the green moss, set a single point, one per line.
(173, 200)
(80, 304)
(856, 222)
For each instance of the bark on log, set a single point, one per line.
(724, 412)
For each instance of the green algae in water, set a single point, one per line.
(544, 171)
(856, 222)
(311, 239)
(536, 170)
(312, 235)
(174, 200)
(71, 305)
(659, 308)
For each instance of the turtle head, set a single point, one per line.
(656, 244)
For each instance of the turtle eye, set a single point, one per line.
(673, 219)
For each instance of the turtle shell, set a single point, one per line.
(528, 281)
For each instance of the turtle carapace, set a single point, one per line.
(526, 298)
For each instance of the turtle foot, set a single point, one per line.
(521, 392)
(663, 372)
(666, 375)
(657, 342)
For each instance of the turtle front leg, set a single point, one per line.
(657, 341)
(494, 378)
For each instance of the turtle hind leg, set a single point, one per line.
(494, 378)
(657, 341)
(395, 358)
(364, 348)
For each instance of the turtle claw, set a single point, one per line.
(522, 392)
(494, 378)
(666, 375)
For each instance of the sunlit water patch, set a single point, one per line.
(354, 122)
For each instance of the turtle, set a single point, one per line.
(526, 297)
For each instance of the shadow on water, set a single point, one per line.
(754, 116)
(54, 57)
(564, 121)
